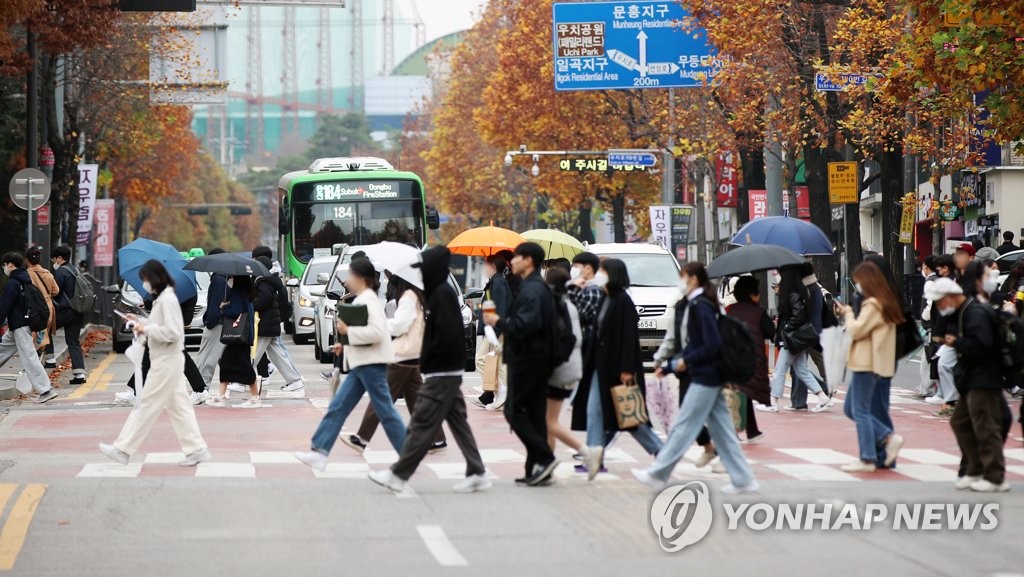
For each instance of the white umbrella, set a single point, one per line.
(392, 255)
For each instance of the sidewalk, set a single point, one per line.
(9, 372)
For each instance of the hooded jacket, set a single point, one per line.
(266, 304)
(12, 308)
(216, 294)
(442, 350)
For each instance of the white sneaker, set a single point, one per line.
(114, 453)
(985, 486)
(592, 459)
(126, 397)
(237, 388)
(704, 458)
(717, 466)
(472, 484)
(199, 398)
(936, 400)
(252, 403)
(216, 401)
(751, 487)
(768, 408)
(753, 440)
(892, 448)
(965, 482)
(386, 478)
(315, 460)
(646, 478)
(270, 369)
(823, 406)
(200, 456)
(296, 386)
(859, 467)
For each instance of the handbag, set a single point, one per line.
(908, 337)
(736, 400)
(630, 407)
(801, 339)
(238, 331)
(492, 366)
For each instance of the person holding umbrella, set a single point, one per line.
(165, 387)
(499, 291)
(236, 360)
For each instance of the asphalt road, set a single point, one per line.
(64, 510)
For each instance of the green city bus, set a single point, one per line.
(355, 201)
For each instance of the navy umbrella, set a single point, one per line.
(133, 255)
(229, 264)
(753, 258)
(797, 235)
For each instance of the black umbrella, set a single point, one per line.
(753, 257)
(229, 264)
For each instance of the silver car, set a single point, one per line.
(305, 292)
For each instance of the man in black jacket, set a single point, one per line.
(1007, 245)
(18, 337)
(528, 341)
(977, 420)
(210, 348)
(64, 273)
(440, 398)
(268, 304)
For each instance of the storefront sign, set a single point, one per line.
(907, 224)
(842, 183)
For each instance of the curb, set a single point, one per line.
(8, 385)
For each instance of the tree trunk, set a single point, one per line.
(716, 232)
(584, 232)
(892, 190)
(619, 217)
(815, 167)
(699, 212)
(752, 165)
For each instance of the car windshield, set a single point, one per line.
(315, 269)
(1007, 261)
(650, 270)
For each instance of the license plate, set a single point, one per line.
(647, 324)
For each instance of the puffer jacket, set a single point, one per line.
(266, 304)
(795, 317)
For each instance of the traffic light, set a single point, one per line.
(240, 210)
(198, 210)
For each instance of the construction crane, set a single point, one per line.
(387, 38)
(289, 78)
(324, 86)
(254, 85)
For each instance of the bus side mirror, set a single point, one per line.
(433, 219)
(282, 220)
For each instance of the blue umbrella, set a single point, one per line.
(797, 235)
(133, 255)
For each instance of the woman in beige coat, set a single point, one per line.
(44, 281)
(872, 359)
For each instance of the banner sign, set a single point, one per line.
(103, 245)
(907, 223)
(842, 183)
(670, 227)
(758, 201)
(87, 174)
(728, 180)
(661, 225)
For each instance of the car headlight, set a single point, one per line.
(305, 303)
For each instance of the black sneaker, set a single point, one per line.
(440, 446)
(77, 381)
(542, 473)
(355, 442)
(49, 365)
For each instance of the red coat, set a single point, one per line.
(762, 329)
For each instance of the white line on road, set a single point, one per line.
(440, 547)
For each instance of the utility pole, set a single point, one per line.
(668, 163)
(32, 106)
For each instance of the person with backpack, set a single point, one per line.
(612, 359)
(76, 297)
(927, 386)
(23, 309)
(268, 304)
(529, 340)
(748, 309)
(821, 312)
(698, 356)
(977, 419)
(873, 363)
(440, 398)
(566, 376)
(47, 285)
(796, 334)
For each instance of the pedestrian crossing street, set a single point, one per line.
(801, 464)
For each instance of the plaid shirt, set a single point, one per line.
(587, 301)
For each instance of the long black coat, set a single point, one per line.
(615, 349)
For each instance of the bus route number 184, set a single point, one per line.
(344, 212)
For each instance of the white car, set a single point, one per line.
(654, 288)
(305, 292)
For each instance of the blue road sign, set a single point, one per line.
(823, 84)
(619, 45)
(632, 159)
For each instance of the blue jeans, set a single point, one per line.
(860, 407)
(803, 372)
(371, 379)
(880, 408)
(598, 437)
(703, 404)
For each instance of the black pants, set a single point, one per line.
(798, 392)
(195, 379)
(1007, 423)
(405, 382)
(263, 367)
(526, 411)
(980, 427)
(752, 430)
(440, 400)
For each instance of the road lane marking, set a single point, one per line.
(6, 490)
(95, 377)
(12, 538)
(440, 547)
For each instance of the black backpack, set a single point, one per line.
(828, 309)
(37, 314)
(737, 358)
(563, 341)
(1009, 338)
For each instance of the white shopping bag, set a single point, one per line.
(135, 353)
(835, 344)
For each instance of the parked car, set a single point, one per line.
(654, 287)
(128, 301)
(324, 307)
(304, 293)
(1006, 262)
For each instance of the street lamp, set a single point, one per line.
(535, 171)
(30, 182)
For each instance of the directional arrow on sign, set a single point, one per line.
(624, 60)
(661, 68)
(642, 37)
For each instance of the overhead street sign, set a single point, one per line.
(621, 45)
(822, 83)
(631, 158)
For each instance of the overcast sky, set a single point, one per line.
(446, 16)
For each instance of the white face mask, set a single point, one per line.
(575, 272)
(147, 287)
(684, 287)
(947, 311)
(991, 283)
(858, 288)
(231, 283)
(601, 279)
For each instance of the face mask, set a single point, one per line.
(601, 279)
(574, 273)
(684, 287)
(147, 287)
(858, 288)
(990, 284)
(231, 283)
(947, 311)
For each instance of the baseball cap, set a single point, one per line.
(943, 287)
(967, 247)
